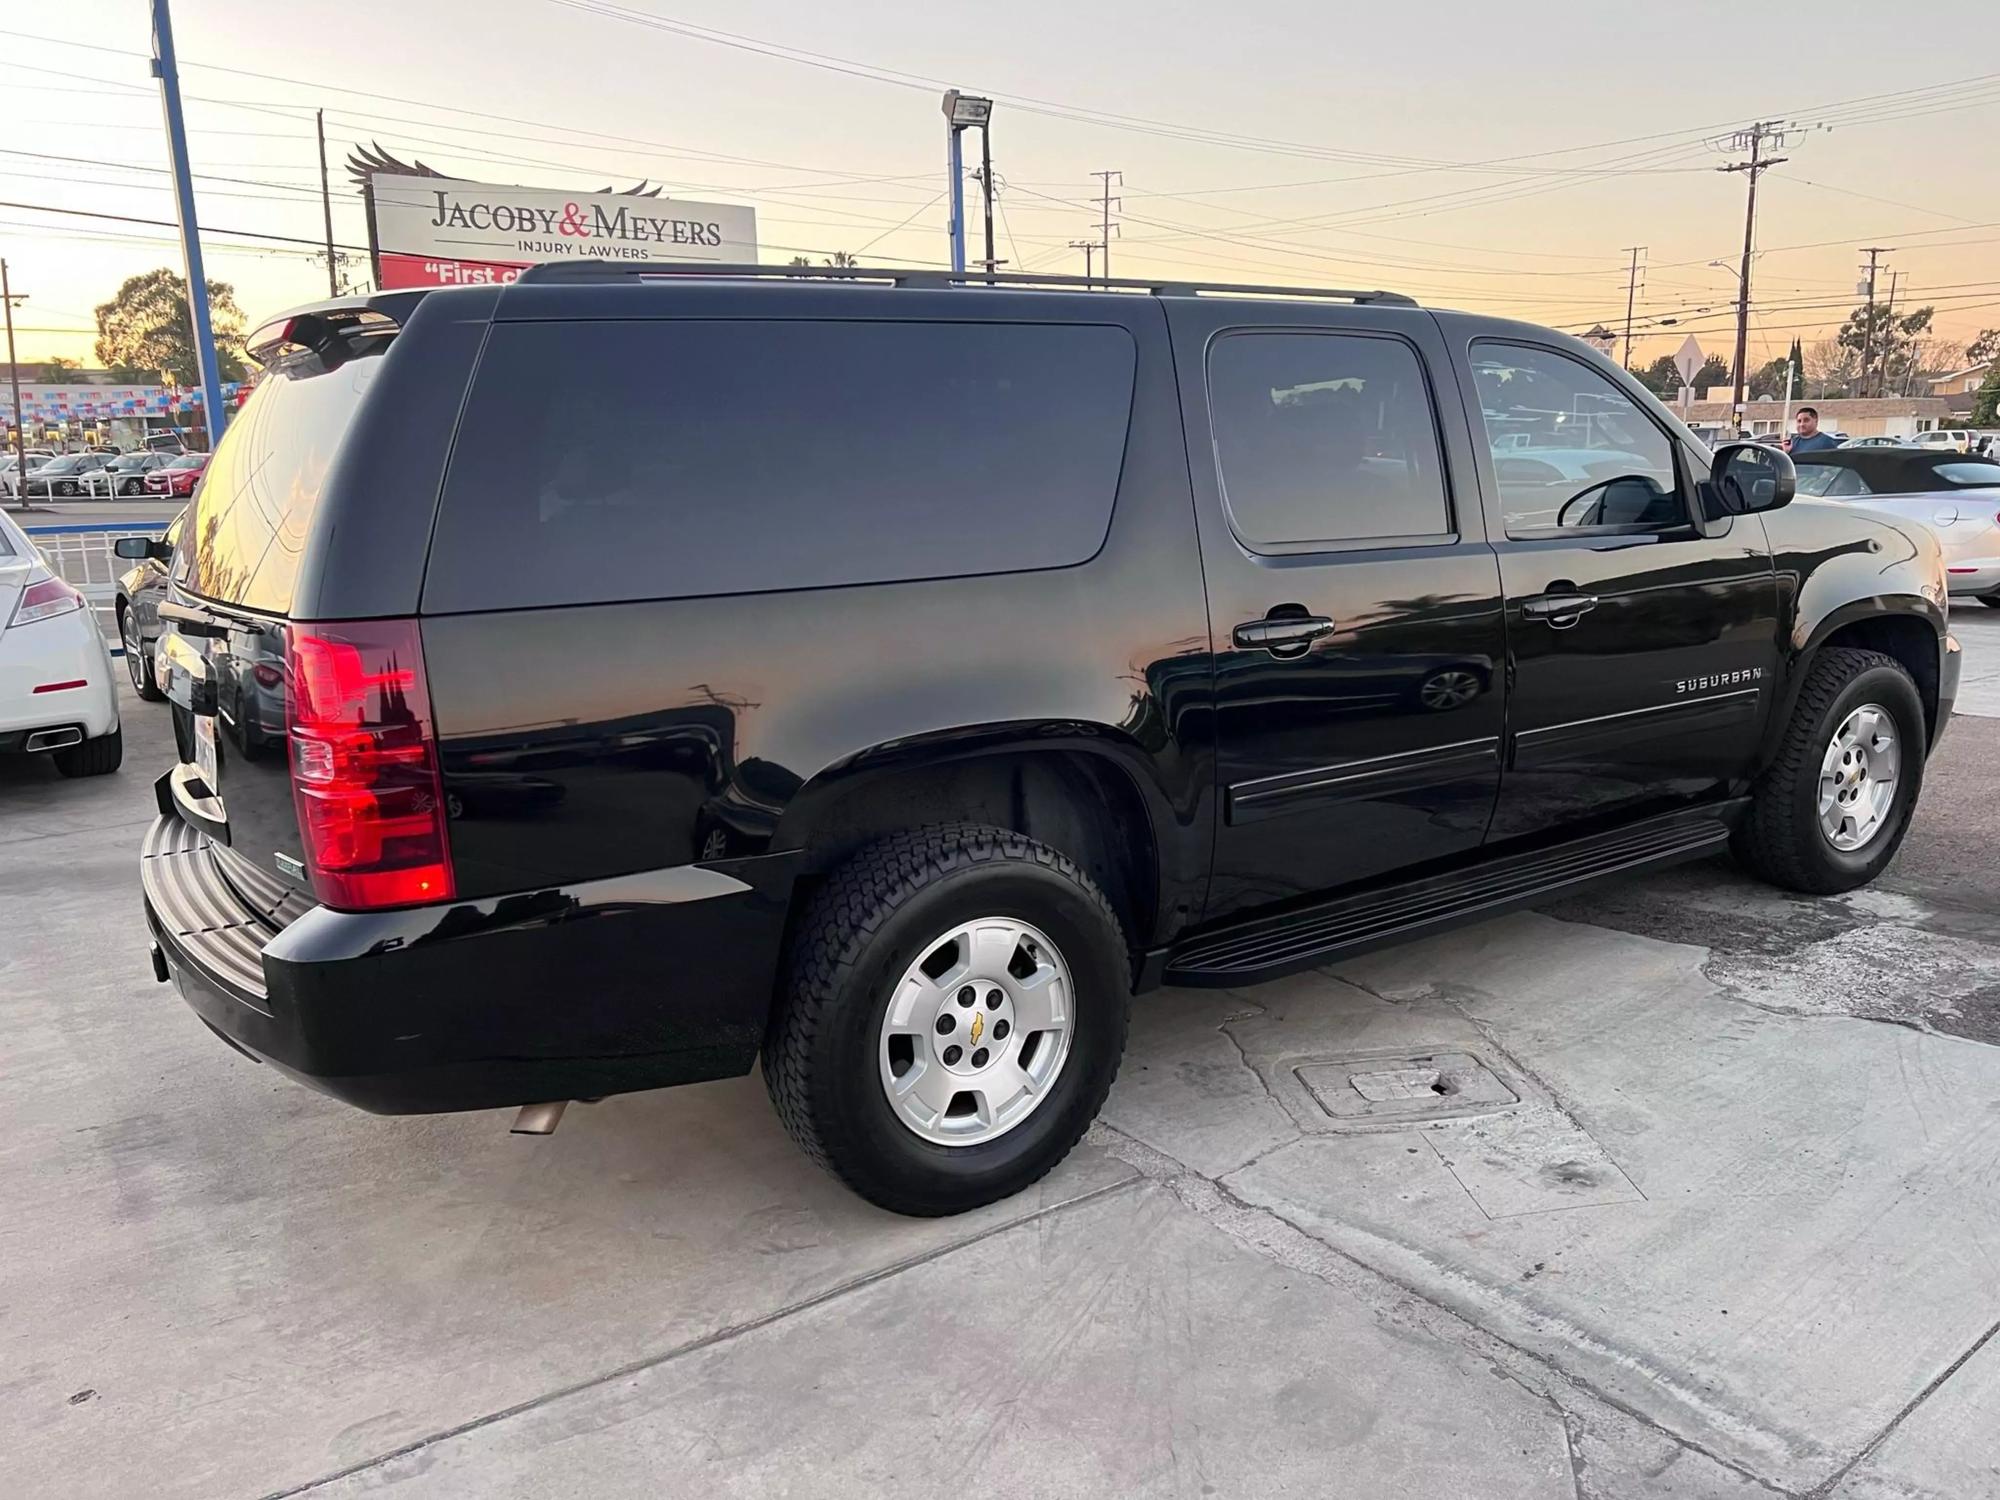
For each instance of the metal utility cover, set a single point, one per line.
(1423, 1086)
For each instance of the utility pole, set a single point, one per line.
(1888, 337)
(1104, 233)
(326, 207)
(1867, 288)
(14, 379)
(1751, 140)
(986, 190)
(1631, 288)
(1089, 248)
(165, 69)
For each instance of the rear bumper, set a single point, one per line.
(1972, 577)
(600, 988)
(64, 649)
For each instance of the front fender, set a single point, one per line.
(1844, 571)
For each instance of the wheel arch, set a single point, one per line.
(1905, 627)
(1084, 790)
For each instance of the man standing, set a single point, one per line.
(1808, 438)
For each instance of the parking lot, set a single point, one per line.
(1708, 1205)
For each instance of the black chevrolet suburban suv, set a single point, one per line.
(609, 680)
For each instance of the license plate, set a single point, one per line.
(204, 752)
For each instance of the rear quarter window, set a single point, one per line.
(248, 524)
(600, 462)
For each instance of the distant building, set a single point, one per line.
(1874, 416)
(82, 410)
(1961, 382)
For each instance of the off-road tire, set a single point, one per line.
(853, 942)
(1780, 839)
(98, 757)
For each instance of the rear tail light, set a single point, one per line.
(365, 765)
(45, 597)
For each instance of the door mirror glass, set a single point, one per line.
(138, 548)
(1749, 477)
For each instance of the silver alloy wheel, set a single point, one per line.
(1453, 688)
(976, 1031)
(128, 637)
(1858, 777)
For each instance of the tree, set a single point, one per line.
(143, 333)
(1984, 348)
(1768, 383)
(1660, 377)
(1712, 375)
(1886, 339)
(1986, 404)
(1830, 368)
(837, 259)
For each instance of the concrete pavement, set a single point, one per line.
(1682, 1187)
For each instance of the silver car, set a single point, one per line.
(1956, 496)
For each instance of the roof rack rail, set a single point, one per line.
(600, 271)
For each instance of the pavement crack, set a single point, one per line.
(1832, 1481)
(1272, 1234)
(705, 1341)
(1244, 1058)
(1572, 1426)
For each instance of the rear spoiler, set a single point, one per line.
(333, 331)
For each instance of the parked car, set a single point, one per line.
(56, 689)
(1957, 497)
(177, 476)
(67, 476)
(1873, 442)
(599, 682)
(1948, 439)
(137, 603)
(128, 471)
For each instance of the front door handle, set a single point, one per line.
(1560, 610)
(1284, 636)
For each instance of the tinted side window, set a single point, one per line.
(250, 516)
(652, 460)
(1324, 438)
(1570, 448)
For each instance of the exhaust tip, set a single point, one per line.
(53, 739)
(539, 1119)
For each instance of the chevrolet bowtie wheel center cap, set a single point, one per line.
(976, 1031)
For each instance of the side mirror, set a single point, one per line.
(1749, 477)
(138, 548)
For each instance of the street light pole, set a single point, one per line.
(961, 112)
(165, 69)
(14, 379)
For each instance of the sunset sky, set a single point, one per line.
(1493, 157)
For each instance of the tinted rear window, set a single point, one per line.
(1970, 475)
(256, 500)
(646, 460)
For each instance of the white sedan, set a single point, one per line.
(57, 690)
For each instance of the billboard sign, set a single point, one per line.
(439, 231)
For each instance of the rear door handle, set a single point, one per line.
(1560, 610)
(1285, 636)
